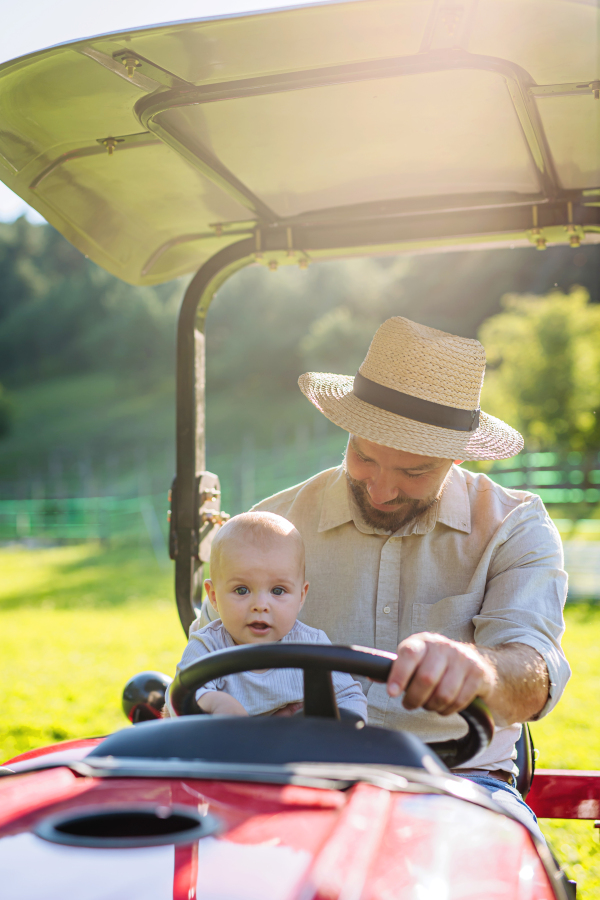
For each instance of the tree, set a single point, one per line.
(62, 315)
(6, 413)
(544, 369)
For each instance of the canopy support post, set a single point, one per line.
(190, 427)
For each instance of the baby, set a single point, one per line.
(257, 587)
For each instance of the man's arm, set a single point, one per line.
(445, 676)
(521, 684)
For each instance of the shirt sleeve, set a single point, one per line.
(349, 694)
(199, 645)
(526, 594)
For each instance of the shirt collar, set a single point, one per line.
(336, 502)
(452, 509)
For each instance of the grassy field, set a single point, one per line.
(78, 621)
(569, 738)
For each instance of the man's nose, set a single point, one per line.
(383, 488)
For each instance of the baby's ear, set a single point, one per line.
(304, 593)
(210, 593)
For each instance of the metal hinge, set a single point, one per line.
(207, 516)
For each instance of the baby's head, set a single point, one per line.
(257, 582)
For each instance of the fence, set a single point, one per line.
(582, 562)
(87, 518)
(574, 478)
(254, 473)
(43, 509)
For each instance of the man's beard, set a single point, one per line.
(395, 518)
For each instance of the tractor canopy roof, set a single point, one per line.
(333, 129)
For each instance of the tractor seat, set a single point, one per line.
(525, 761)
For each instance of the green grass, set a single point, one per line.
(78, 621)
(569, 738)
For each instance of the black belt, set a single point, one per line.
(499, 774)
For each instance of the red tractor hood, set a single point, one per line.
(269, 842)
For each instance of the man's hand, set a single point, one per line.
(445, 676)
(439, 674)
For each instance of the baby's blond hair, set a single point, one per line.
(261, 528)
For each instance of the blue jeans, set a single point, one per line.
(508, 797)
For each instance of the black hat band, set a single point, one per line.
(413, 407)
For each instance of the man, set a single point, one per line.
(409, 553)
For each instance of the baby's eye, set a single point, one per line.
(278, 591)
(241, 590)
(415, 475)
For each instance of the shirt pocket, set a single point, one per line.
(452, 616)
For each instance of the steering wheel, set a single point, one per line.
(317, 662)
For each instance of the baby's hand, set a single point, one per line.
(290, 710)
(221, 704)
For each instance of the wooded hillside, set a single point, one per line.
(87, 362)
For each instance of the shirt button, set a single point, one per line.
(386, 609)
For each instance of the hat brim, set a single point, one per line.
(334, 397)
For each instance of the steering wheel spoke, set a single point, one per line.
(319, 696)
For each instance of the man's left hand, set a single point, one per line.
(438, 674)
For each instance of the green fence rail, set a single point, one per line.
(87, 519)
(251, 475)
(574, 478)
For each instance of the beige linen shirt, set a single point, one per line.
(483, 565)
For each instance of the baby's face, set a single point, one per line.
(258, 590)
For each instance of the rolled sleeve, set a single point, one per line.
(195, 649)
(526, 594)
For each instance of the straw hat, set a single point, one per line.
(417, 390)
